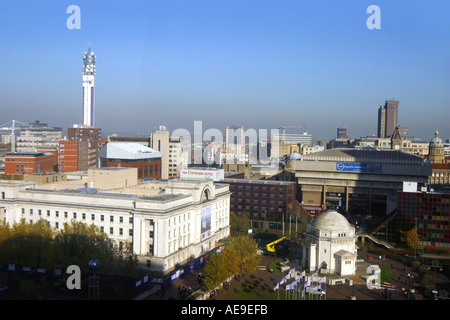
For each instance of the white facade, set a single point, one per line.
(330, 245)
(165, 227)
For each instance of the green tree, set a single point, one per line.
(239, 257)
(248, 258)
(215, 270)
(239, 223)
(26, 243)
(78, 242)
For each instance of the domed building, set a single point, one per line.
(330, 245)
(436, 149)
(295, 156)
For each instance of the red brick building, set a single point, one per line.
(20, 163)
(265, 201)
(76, 155)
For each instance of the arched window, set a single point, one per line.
(206, 194)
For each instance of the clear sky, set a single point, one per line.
(258, 64)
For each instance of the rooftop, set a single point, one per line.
(128, 150)
(251, 181)
(364, 155)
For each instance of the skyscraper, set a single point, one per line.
(387, 118)
(88, 87)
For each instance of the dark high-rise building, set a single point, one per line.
(387, 118)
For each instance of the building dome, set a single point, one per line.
(295, 156)
(331, 220)
(436, 141)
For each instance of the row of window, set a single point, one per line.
(102, 229)
(74, 215)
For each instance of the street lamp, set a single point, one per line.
(435, 264)
(94, 280)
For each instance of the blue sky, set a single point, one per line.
(259, 64)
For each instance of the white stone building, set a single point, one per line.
(330, 245)
(167, 224)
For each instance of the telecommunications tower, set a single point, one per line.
(88, 87)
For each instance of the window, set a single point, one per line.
(65, 214)
(111, 218)
(83, 215)
(92, 217)
(74, 215)
(102, 218)
(111, 230)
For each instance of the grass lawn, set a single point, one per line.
(251, 289)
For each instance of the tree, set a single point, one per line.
(215, 270)
(246, 251)
(26, 243)
(410, 237)
(78, 242)
(239, 223)
(239, 257)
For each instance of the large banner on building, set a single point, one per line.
(206, 223)
(359, 167)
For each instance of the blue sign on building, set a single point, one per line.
(359, 167)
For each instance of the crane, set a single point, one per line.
(271, 246)
(13, 131)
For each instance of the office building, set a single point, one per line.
(293, 136)
(235, 140)
(417, 207)
(76, 155)
(82, 132)
(173, 156)
(38, 135)
(387, 118)
(265, 201)
(21, 163)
